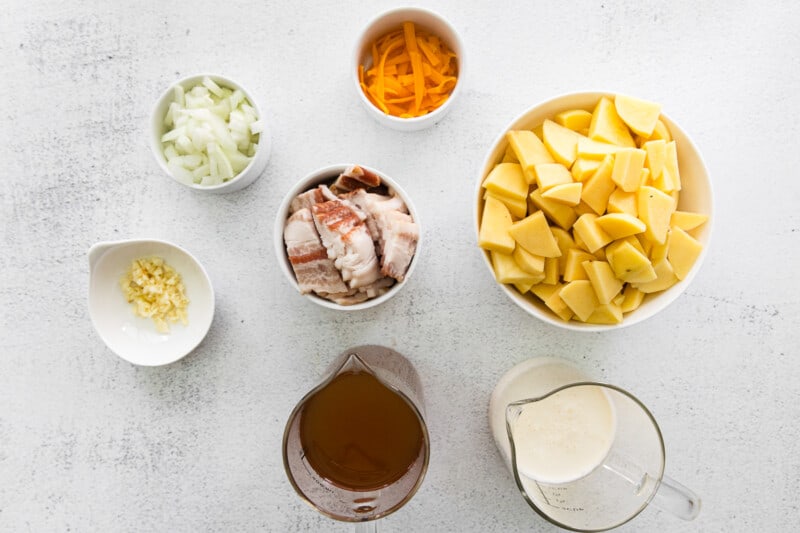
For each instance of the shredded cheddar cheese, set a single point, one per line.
(156, 291)
(411, 74)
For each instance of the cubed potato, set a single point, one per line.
(655, 209)
(551, 174)
(683, 251)
(590, 232)
(633, 298)
(606, 285)
(620, 201)
(574, 119)
(530, 263)
(656, 156)
(530, 151)
(619, 225)
(639, 115)
(551, 270)
(533, 233)
(671, 165)
(609, 313)
(659, 132)
(665, 278)
(628, 165)
(566, 193)
(517, 208)
(582, 168)
(598, 188)
(506, 270)
(687, 220)
(509, 156)
(522, 288)
(508, 180)
(495, 225)
(561, 214)
(598, 150)
(561, 142)
(573, 264)
(549, 294)
(580, 298)
(628, 263)
(607, 126)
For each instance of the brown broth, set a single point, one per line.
(359, 434)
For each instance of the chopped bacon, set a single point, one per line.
(309, 258)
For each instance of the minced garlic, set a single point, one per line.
(156, 291)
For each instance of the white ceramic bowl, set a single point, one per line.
(327, 175)
(133, 338)
(248, 175)
(696, 195)
(387, 22)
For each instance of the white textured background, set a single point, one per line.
(91, 443)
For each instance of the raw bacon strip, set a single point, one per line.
(306, 200)
(355, 177)
(348, 242)
(354, 296)
(309, 258)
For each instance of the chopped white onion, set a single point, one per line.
(212, 134)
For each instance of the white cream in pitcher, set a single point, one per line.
(560, 438)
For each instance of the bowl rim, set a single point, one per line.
(155, 139)
(667, 297)
(95, 254)
(317, 177)
(456, 44)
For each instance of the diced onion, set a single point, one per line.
(212, 133)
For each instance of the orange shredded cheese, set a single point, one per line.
(411, 73)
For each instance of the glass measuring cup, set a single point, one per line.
(586, 456)
(356, 447)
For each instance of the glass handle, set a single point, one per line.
(370, 526)
(676, 499)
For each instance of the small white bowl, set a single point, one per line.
(328, 175)
(696, 195)
(133, 338)
(392, 20)
(248, 175)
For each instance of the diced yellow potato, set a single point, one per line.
(583, 169)
(639, 242)
(506, 270)
(633, 298)
(530, 151)
(573, 264)
(657, 251)
(582, 208)
(665, 278)
(591, 149)
(619, 225)
(561, 214)
(671, 165)
(598, 188)
(580, 298)
(619, 298)
(640, 115)
(644, 178)
(495, 224)
(590, 232)
(683, 251)
(687, 220)
(509, 156)
(605, 284)
(507, 179)
(517, 208)
(566, 193)
(628, 263)
(623, 202)
(533, 233)
(574, 119)
(551, 266)
(607, 126)
(549, 294)
(561, 142)
(656, 156)
(600, 254)
(627, 172)
(523, 287)
(655, 209)
(609, 313)
(530, 263)
(551, 174)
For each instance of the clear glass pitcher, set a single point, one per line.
(586, 456)
(356, 447)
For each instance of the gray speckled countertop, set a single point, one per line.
(89, 442)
